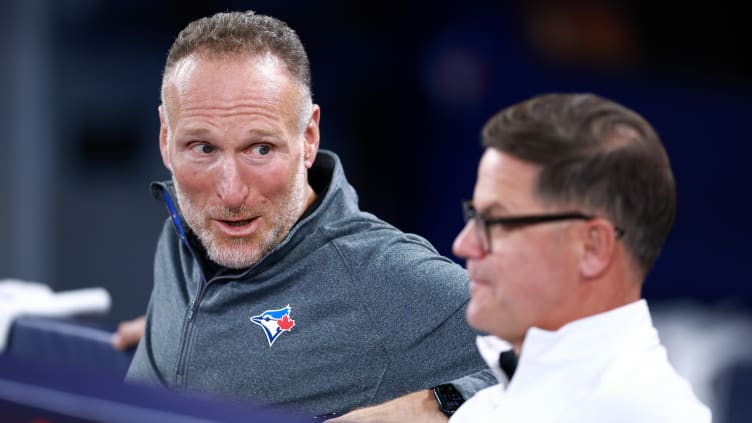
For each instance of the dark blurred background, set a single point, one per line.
(404, 90)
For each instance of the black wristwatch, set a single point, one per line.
(448, 397)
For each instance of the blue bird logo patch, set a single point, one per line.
(274, 323)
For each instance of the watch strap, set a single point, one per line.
(448, 397)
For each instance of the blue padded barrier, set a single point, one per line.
(67, 342)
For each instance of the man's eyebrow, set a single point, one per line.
(263, 132)
(196, 131)
(492, 208)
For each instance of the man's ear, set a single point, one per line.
(163, 144)
(599, 241)
(311, 137)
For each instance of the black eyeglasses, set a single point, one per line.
(483, 223)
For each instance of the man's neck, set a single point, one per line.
(310, 198)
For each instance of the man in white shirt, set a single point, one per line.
(573, 201)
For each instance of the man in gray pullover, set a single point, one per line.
(270, 284)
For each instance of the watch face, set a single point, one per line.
(448, 397)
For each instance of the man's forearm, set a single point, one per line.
(417, 407)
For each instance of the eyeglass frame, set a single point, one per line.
(470, 213)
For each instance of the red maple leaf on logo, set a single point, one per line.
(286, 323)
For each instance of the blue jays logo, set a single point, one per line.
(274, 322)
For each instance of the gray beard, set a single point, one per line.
(239, 253)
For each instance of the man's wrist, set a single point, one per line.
(449, 399)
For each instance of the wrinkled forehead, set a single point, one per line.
(215, 80)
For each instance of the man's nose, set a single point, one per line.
(232, 189)
(466, 245)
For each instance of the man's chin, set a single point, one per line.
(236, 254)
(476, 317)
(234, 262)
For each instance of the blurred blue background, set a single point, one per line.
(404, 90)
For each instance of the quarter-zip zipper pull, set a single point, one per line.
(191, 309)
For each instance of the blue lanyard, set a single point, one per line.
(175, 217)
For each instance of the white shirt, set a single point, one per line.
(609, 367)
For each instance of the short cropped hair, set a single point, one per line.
(242, 33)
(596, 154)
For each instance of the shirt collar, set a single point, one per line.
(612, 331)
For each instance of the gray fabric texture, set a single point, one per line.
(377, 312)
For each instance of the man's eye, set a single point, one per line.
(202, 148)
(263, 149)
